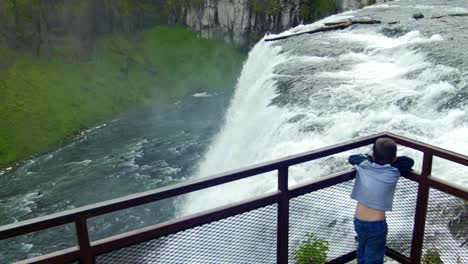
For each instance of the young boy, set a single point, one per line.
(375, 183)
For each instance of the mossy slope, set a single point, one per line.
(45, 100)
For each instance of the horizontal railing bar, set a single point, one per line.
(448, 188)
(327, 151)
(413, 176)
(171, 227)
(397, 256)
(118, 204)
(158, 230)
(35, 224)
(322, 183)
(436, 151)
(344, 259)
(61, 218)
(61, 256)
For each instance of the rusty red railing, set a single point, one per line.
(87, 251)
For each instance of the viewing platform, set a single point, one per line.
(270, 227)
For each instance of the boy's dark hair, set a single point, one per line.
(384, 151)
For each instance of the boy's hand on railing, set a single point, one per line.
(403, 164)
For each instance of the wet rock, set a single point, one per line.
(393, 32)
(405, 103)
(457, 100)
(458, 226)
(418, 16)
(296, 118)
(459, 14)
(236, 22)
(314, 128)
(284, 85)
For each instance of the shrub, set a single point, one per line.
(311, 251)
(432, 256)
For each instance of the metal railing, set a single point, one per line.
(87, 251)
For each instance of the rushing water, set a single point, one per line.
(316, 90)
(134, 153)
(293, 95)
(311, 91)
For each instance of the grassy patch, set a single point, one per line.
(432, 256)
(43, 101)
(311, 251)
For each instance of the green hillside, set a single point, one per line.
(46, 99)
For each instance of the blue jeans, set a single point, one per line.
(371, 237)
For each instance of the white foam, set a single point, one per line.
(318, 24)
(381, 6)
(374, 81)
(447, 9)
(94, 128)
(203, 94)
(26, 246)
(374, 40)
(79, 163)
(309, 59)
(171, 171)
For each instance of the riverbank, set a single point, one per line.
(45, 100)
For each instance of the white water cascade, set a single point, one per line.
(292, 98)
(364, 102)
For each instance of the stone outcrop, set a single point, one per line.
(242, 23)
(345, 5)
(33, 25)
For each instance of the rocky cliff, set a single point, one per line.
(243, 22)
(34, 24)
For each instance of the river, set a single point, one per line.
(294, 95)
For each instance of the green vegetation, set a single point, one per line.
(310, 9)
(268, 7)
(432, 256)
(315, 9)
(44, 100)
(311, 251)
(176, 7)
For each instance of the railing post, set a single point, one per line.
(86, 254)
(421, 209)
(283, 218)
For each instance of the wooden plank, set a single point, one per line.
(448, 188)
(133, 200)
(283, 218)
(397, 256)
(344, 259)
(321, 183)
(63, 256)
(421, 209)
(184, 223)
(436, 151)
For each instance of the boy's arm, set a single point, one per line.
(403, 164)
(357, 159)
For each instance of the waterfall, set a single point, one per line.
(317, 90)
(286, 103)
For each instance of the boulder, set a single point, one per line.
(418, 16)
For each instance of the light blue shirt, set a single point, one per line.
(375, 185)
